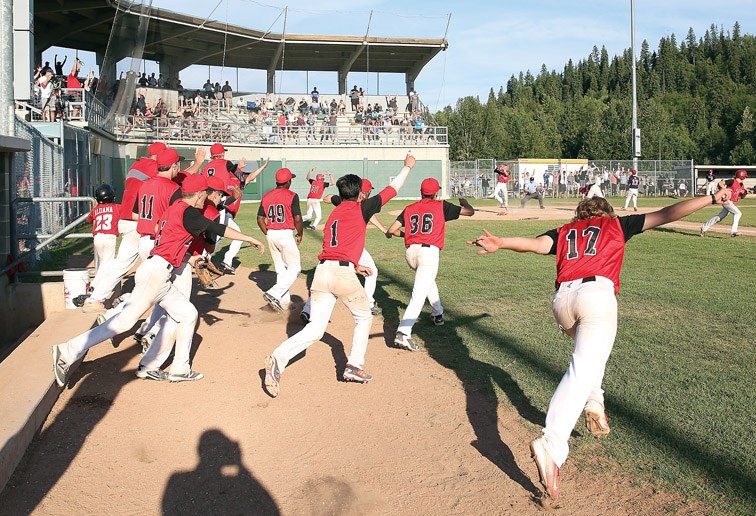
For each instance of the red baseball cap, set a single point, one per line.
(429, 186)
(216, 149)
(167, 157)
(366, 185)
(155, 148)
(216, 183)
(283, 175)
(194, 183)
(320, 177)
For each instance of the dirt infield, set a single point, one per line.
(414, 441)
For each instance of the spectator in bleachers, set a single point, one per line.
(342, 107)
(303, 107)
(354, 97)
(59, 65)
(160, 81)
(314, 95)
(143, 81)
(47, 103)
(334, 107)
(152, 81)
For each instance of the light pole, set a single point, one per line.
(635, 130)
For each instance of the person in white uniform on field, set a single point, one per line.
(632, 190)
(424, 225)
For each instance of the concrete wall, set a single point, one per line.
(24, 306)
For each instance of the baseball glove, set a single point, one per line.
(207, 273)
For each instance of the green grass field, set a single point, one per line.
(680, 382)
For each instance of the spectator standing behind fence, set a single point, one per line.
(47, 103)
(484, 184)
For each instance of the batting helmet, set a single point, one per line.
(741, 174)
(633, 172)
(105, 194)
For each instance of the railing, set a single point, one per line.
(136, 127)
(70, 105)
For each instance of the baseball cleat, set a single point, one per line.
(157, 375)
(272, 376)
(405, 342)
(312, 228)
(702, 233)
(91, 306)
(355, 374)
(226, 268)
(274, 303)
(146, 342)
(305, 317)
(138, 338)
(191, 376)
(548, 471)
(78, 301)
(635, 209)
(376, 310)
(438, 320)
(734, 234)
(596, 421)
(60, 366)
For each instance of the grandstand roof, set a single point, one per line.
(186, 40)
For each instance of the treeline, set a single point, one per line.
(696, 100)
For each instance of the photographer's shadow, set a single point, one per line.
(220, 484)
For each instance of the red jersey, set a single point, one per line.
(738, 189)
(205, 241)
(139, 172)
(173, 240)
(344, 235)
(153, 199)
(593, 247)
(105, 218)
(502, 176)
(425, 221)
(316, 189)
(279, 207)
(219, 168)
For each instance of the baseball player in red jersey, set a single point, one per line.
(589, 253)
(104, 218)
(738, 192)
(235, 178)
(317, 187)
(366, 260)
(502, 180)
(425, 229)
(336, 279)
(154, 197)
(279, 214)
(108, 277)
(180, 224)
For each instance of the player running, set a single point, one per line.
(180, 225)
(589, 253)
(738, 192)
(424, 225)
(317, 187)
(336, 279)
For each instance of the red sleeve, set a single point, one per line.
(91, 216)
(387, 194)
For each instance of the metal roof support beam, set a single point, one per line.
(412, 74)
(344, 70)
(273, 65)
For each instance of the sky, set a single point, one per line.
(489, 40)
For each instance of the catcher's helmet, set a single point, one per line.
(741, 174)
(105, 194)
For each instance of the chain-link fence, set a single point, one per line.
(49, 170)
(476, 179)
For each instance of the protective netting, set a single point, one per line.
(128, 36)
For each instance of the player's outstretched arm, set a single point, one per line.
(467, 209)
(490, 243)
(399, 180)
(377, 223)
(251, 177)
(309, 173)
(236, 235)
(683, 209)
(199, 159)
(395, 230)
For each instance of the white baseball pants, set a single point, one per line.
(313, 206)
(727, 207)
(332, 282)
(631, 193)
(235, 246)
(370, 281)
(128, 251)
(146, 245)
(424, 261)
(711, 187)
(153, 286)
(501, 194)
(182, 280)
(587, 312)
(286, 261)
(104, 251)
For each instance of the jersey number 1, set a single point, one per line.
(592, 232)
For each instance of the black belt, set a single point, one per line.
(584, 280)
(342, 263)
(170, 267)
(425, 245)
